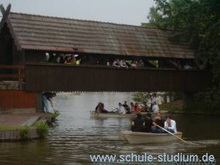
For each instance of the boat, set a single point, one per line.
(145, 137)
(118, 115)
(113, 115)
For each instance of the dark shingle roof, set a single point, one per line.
(36, 32)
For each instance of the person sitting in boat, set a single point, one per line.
(170, 124)
(137, 108)
(127, 108)
(148, 123)
(138, 124)
(100, 108)
(158, 120)
(144, 107)
(132, 107)
(120, 109)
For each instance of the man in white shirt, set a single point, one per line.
(121, 108)
(170, 125)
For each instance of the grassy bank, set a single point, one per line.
(173, 107)
(192, 108)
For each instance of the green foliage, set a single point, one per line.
(24, 133)
(42, 129)
(173, 107)
(140, 97)
(55, 115)
(174, 95)
(197, 22)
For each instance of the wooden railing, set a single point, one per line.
(12, 72)
(57, 77)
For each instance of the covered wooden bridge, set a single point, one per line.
(26, 40)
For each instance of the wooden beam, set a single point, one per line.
(2, 9)
(11, 66)
(5, 14)
(18, 76)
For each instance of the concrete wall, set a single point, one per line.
(14, 135)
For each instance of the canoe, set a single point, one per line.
(113, 115)
(118, 115)
(144, 137)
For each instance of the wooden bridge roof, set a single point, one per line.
(35, 32)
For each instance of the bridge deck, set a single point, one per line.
(56, 77)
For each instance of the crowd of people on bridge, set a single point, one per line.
(128, 63)
(74, 59)
(81, 59)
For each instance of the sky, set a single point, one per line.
(131, 12)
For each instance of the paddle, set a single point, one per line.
(170, 133)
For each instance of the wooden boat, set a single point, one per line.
(144, 137)
(117, 115)
(113, 115)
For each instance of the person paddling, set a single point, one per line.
(158, 120)
(170, 124)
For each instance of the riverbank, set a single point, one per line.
(179, 107)
(14, 127)
(173, 107)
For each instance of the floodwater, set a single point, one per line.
(75, 136)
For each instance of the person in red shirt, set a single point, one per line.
(137, 108)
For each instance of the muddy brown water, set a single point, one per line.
(75, 136)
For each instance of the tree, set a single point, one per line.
(198, 24)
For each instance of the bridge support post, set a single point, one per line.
(39, 106)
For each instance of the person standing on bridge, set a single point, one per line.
(116, 63)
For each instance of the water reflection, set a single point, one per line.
(76, 135)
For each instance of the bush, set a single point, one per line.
(42, 129)
(140, 96)
(24, 133)
(54, 116)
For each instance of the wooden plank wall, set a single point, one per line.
(16, 99)
(57, 77)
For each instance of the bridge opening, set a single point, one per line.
(112, 100)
